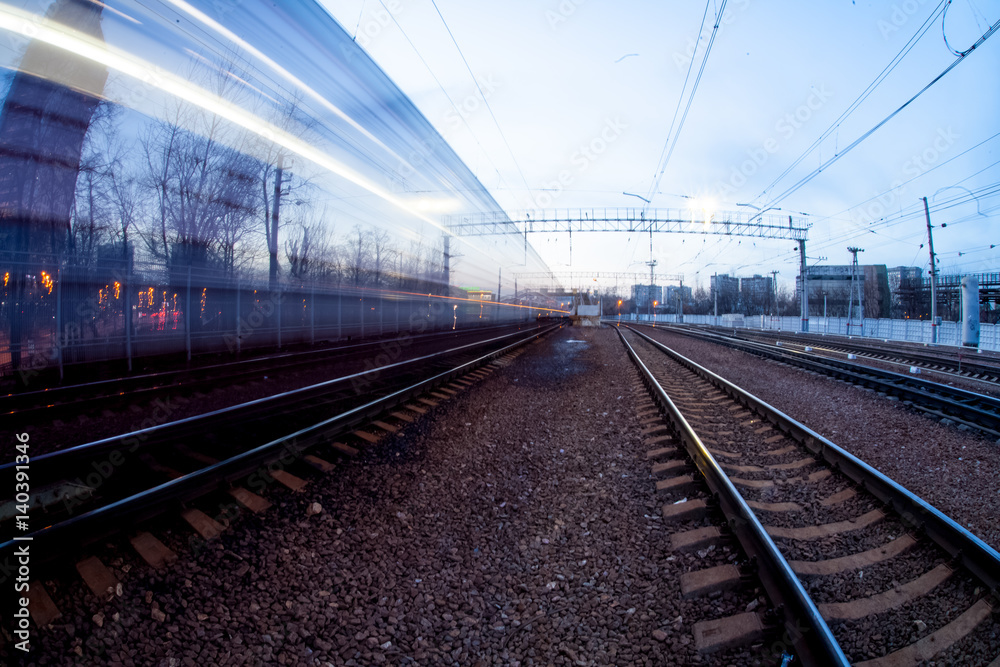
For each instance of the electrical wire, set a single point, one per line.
(687, 108)
(481, 94)
(440, 85)
(865, 94)
(680, 98)
(923, 173)
(784, 195)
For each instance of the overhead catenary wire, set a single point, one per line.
(805, 179)
(486, 101)
(865, 94)
(430, 71)
(672, 140)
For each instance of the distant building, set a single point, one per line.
(642, 295)
(832, 285)
(905, 290)
(672, 292)
(757, 295)
(725, 292)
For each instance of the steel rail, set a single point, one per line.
(960, 362)
(196, 424)
(978, 557)
(803, 623)
(150, 502)
(18, 404)
(951, 402)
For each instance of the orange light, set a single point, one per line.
(6, 277)
(118, 289)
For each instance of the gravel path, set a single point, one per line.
(515, 525)
(957, 472)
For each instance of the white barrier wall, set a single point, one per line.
(914, 331)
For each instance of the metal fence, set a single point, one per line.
(914, 331)
(85, 315)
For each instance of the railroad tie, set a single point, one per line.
(366, 436)
(319, 464)
(723, 633)
(687, 510)
(40, 605)
(700, 583)
(386, 426)
(936, 642)
(838, 497)
(249, 499)
(153, 551)
(288, 480)
(890, 599)
(693, 540)
(99, 579)
(203, 524)
(854, 561)
(806, 533)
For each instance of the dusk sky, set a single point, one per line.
(581, 96)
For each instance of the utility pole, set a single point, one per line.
(499, 273)
(652, 265)
(930, 245)
(774, 289)
(446, 273)
(272, 273)
(855, 286)
(715, 296)
(805, 282)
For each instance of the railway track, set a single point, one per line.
(859, 570)
(972, 410)
(109, 486)
(968, 364)
(63, 402)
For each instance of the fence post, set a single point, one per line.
(340, 305)
(277, 306)
(312, 314)
(239, 334)
(128, 319)
(59, 332)
(187, 317)
(361, 300)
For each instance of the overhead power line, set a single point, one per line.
(482, 95)
(672, 140)
(784, 195)
(886, 71)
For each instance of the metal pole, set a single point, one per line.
(128, 319)
(930, 246)
(59, 332)
(239, 334)
(340, 306)
(312, 314)
(805, 282)
(187, 313)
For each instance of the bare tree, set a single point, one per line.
(357, 255)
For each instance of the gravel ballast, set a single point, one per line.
(517, 524)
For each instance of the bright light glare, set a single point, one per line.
(428, 205)
(706, 207)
